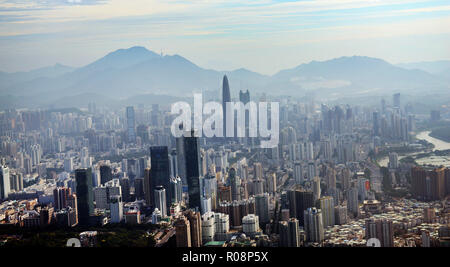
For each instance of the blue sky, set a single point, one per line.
(261, 35)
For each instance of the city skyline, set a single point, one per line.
(257, 124)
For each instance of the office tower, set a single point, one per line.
(116, 208)
(173, 163)
(340, 213)
(60, 197)
(376, 124)
(293, 234)
(244, 97)
(85, 196)
(160, 200)
(299, 201)
(139, 188)
(226, 97)
(192, 154)
(148, 194)
(352, 202)
(393, 160)
(292, 203)
(250, 224)
(196, 227)
(5, 186)
(105, 173)
(289, 233)
(125, 187)
(381, 229)
(181, 159)
(313, 223)
(159, 171)
(396, 100)
(262, 208)
(283, 229)
(131, 127)
(235, 184)
(326, 205)
(208, 227)
(176, 189)
(183, 232)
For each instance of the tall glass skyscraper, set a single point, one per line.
(225, 98)
(85, 195)
(160, 170)
(160, 200)
(192, 154)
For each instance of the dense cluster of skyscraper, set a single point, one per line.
(100, 166)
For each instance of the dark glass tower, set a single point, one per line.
(85, 196)
(225, 98)
(105, 174)
(244, 97)
(160, 169)
(192, 154)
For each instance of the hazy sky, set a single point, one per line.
(261, 35)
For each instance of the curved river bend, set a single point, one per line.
(435, 160)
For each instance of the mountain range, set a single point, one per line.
(134, 74)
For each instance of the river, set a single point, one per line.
(434, 160)
(438, 143)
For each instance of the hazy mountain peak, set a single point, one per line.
(122, 58)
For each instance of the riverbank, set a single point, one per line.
(441, 134)
(423, 159)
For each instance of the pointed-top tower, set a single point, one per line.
(225, 98)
